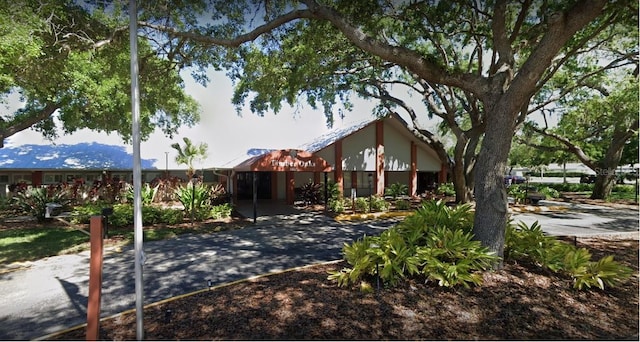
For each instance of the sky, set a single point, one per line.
(227, 134)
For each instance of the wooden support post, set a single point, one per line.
(95, 278)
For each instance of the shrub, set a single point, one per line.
(337, 205)
(193, 199)
(33, 201)
(379, 204)
(396, 189)
(147, 194)
(171, 216)
(530, 243)
(519, 193)
(221, 211)
(218, 195)
(452, 258)
(435, 243)
(402, 204)
(123, 214)
(311, 193)
(446, 189)
(362, 204)
(549, 192)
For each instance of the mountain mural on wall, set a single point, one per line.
(85, 156)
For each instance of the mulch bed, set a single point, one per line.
(521, 302)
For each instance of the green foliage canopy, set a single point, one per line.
(73, 63)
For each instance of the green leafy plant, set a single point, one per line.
(147, 194)
(435, 243)
(439, 214)
(221, 211)
(402, 204)
(33, 201)
(550, 192)
(530, 243)
(396, 189)
(195, 199)
(362, 204)
(452, 258)
(519, 193)
(599, 273)
(337, 205)
(379, 204)
(446, 189)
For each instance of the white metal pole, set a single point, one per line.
(137, 177)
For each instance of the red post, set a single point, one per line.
(95, 279)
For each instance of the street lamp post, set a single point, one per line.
(370, 177)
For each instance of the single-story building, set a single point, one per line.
(362, 159)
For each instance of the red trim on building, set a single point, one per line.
(413, 176)
(338, 176)
(290, 184)
(36, 178)
(379, 181)
(442, 175)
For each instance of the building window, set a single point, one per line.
(52, 178)
(22, 178)
(4, 178)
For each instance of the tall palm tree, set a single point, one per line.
(189, 153)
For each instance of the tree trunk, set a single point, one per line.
(463, 191)
(490, 192)
(463, 166)
(603, 186)
(607, 172)
(463, 194)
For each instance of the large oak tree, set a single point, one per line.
(497, 53)
(71, 62)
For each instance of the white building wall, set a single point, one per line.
(427, 160)
(358, 150)
(397, 150)
(328, 154)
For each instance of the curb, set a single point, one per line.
(372, 216)
(537, 209)
(150, 305)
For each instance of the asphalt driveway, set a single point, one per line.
(51, 294)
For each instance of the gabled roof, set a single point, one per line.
(85, 156)
(335, 135)
(317, 144)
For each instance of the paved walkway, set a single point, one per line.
(51, 294)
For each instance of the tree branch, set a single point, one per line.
(569, 147)
(240, 39)
(27, 120)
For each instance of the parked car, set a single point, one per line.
(588, 179)
(509, 179)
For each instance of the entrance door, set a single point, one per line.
(427, 181)
(245, 185)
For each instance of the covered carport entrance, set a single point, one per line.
(260, 177)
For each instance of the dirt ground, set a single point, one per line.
(521, 302)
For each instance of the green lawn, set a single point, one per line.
(27, 244)
(36, 243)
